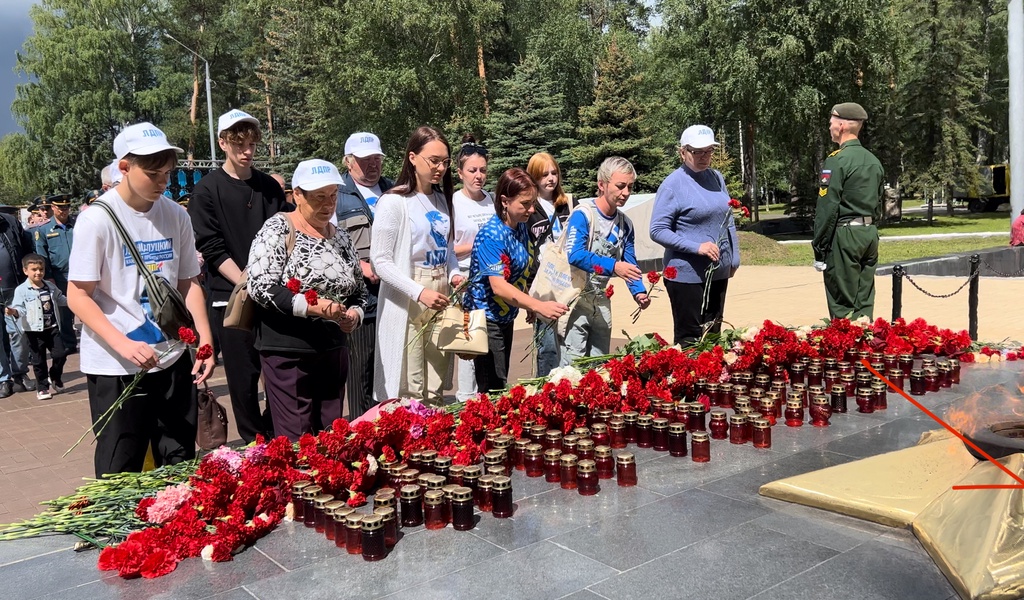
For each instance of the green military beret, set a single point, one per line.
(59, 200)
(851, 111)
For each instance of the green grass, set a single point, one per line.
(761, 250)
(959, 223)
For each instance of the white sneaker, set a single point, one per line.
(43, 394)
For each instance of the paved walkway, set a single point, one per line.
(34, 434)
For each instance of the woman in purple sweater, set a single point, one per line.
(694, 223)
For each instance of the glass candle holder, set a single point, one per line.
(384, 499)
(736, 433)
(890, 361)
(319, 518)
(838, 397)
(396, 475)
(436, 482)
(340, 531)
(582, 433)
(410, 477)
(770, 410)
(719, 425)
(587, 483)
(726, 393)
(816, 390)
(878, 366)
(814, 375)
(830, 364)
(630, 419)
(831, 378)
(617, 434)
(308, 510)
(496, 458)
(433, 509)
(567, 465)
(585, 449)
(415, 459)
(484, 489)
(864, 379)
(534, 461)
(599, 434)
(329, 509)
(553, 439)
(537, 434)
(762, 434)
(677, 439)
(427, 458)
(644, 437)
(604, 461)
(569, 444)
(881, 397)
(354, 533)
(711, 390)
(763, 380)
(462, 509)
(954, 371)
(297, 504)
(802, 389)
(501, 498)
(625, 469)
(865, 400)
(850, 383)
(411, 504)
(821, 411)
(896, 377)
(423, 480)
(448, 491)
(844, 366)
(945, 375)
(700, 387)
(697, 421)
(700, 447)
(798, 373)
(683, 413)
(604, 415)
(552, 462)
(389, 520)
(931, 379)
(373, 546)
(442, 466)
(471, 476)
(917, 384)
(927, 363)
(660, 434)
(519, 453)
(794, 414)
(906, 362)
(756, 396)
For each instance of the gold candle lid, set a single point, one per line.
(298, 486)
(816, 389)
(816, 369)
(568, 459)
(762, 424)
(757, 392)
(797, 366)
(570, 441)
(553, 434)
(895, 373)
(697, 408)
(311, 491)
(493, 435)
(386, 513)
(456, 470)
(584, 445)
(397, 468)
(832, 374)
(387, 500)
(771, 402)
(865, 392)
(795, 396)
(739, 389)
(843, 364)
(424, 479)
(494, 457)
(913, 373)
(416, 456)
(954, 362)
(725, 386)
(712, 386)
(527, 424)
(699, 437)
(522, 443)
(552, 454)
(879, 385)
(602, 451)
(799, 387)
(741, 403)
(598, 428)
(410, 474)
(615, 415)
(625, 458)
(506, 438)
(581, 432)
(496, 470)
(471, 471)
(744, 410)
(486, 481)
(372, 522)
(433, 497)
(462, 494)
(660, 423)
(449, 489)
(716, 415)
(341, 514)
(332, 506)
(443, 462)
(428, 456)
(630, 416)
(586, 466)
(616, 424)
(538, 430)
(410, 492)
(320, 501)
(794, 404)
(436, 482)
(838, 388)
(680, 428)
(774, 395)
(737, 420)
(534, 450)
(354, 520)
(501, 483)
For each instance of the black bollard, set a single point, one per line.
(897, 292)
(972, 298)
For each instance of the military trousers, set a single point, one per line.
(850, 275)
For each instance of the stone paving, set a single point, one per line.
(686, 527)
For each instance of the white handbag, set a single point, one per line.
(460, 331)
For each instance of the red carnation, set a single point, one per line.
(670, 272)
(294, 285)
(653, 277)
(186, 335)
(598, 270)
(609, 291)
(205, 351)
(311, 297)
(158, 564)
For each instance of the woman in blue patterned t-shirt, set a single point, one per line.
(502, 260)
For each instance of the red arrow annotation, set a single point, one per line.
(1020, 482)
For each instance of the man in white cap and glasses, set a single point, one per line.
(361, 186)
(121, 337)
(228, 207)
(692, 219)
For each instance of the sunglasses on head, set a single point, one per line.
(469, 149)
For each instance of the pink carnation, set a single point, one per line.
(168, 501)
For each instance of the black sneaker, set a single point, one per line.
(58, 385)
(24, 384)
(6, 389)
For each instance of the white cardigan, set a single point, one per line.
(390, 254)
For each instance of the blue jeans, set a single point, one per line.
(13, 352)
(547, 348)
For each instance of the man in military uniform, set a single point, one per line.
(53, 241)
(849, 201)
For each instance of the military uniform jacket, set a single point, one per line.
(53, 241)
(850, 186)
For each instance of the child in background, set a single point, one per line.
(37, 306)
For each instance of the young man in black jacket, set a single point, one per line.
(228, 207)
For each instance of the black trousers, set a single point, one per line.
(305, 391)
(242, 370)
(687, 319)
(361, 353)
(41, 342)
(492, 368)
(161, 412)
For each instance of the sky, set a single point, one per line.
(15, 27)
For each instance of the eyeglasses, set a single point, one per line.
(701, 153)
(437, 162)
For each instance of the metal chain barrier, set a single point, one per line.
(939, 296)
(1016, 273)
(899, 274)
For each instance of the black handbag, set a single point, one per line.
(165, 301)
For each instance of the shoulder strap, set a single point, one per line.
(128, 243)
(289, 242)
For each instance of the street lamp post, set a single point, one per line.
(209, 98)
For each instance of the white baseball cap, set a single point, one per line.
(315, 174)
(234, 117)
(141, 139)
(363, 144)
(698, 136)
(114, 170)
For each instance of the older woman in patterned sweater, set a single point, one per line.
(310, 300)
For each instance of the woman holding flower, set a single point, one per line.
(692, 219)
(502, 259)
(310, 299)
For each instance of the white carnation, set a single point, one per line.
(568, 372)
(207, 552)
(750, 334)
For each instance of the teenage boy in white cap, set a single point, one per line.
(361, 186)
(120, 338)
(228, 207)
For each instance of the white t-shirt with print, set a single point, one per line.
(470, 216)
(164, 238)
(370, 195)
(429, 228)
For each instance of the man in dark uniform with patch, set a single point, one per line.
(849, 201)
(53, 241)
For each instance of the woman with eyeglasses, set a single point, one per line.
(474, 207)
(412, 251)
(692, 219)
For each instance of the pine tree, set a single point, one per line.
(614, 125)
(527, 118)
